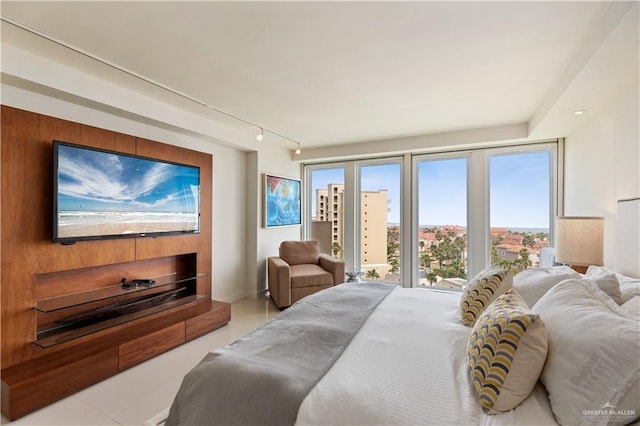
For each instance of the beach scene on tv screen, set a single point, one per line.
(107, 194)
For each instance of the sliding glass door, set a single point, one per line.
(441, 234)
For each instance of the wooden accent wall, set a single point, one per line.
(33, 266)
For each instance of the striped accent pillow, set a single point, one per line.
(506, 352)
(483, 289)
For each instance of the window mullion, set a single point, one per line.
(477, 212)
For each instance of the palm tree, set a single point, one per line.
(495, 259)
(425, 261)
(395, 264)
(528, 240)
(525, 261)
(461, 244)
(373, 274)
(432, 277)
(335, 248)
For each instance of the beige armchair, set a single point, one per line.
(301, 270)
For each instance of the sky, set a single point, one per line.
(98, 181)
(519, 189)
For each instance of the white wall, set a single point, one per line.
(602, 163)
(275, 161)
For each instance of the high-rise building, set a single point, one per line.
(373, 230)
(373, 224)
(329, 204)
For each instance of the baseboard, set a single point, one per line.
(232, 298)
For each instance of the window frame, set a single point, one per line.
(358, 165)
(415, 225)
(478, 200)
(555, 151)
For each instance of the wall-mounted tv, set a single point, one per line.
(99, 194)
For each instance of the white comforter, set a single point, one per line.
(407, 366)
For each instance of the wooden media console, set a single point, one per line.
(66, 320)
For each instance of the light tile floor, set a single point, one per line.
(137, 394)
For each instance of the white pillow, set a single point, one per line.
(632, 306)
(592, 373)
(532, 284)
(629, 287)
(606, 281)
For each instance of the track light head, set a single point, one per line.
(298, 150)
(260, 135)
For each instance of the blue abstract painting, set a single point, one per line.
(281, 201)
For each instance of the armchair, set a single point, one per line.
(300, 270)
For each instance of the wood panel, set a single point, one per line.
(30, 392)
(219, 315)
(143, 348)
(34, 268)
(72, 281)
(27, 250)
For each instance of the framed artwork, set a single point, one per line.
(281, 201)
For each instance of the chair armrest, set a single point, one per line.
(279, 276)
(333, 265)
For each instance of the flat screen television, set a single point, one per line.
(99, 194)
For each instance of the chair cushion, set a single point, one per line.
(309, 275)
(299, 252)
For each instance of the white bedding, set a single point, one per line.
(407, 365)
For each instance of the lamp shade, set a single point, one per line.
(579, 240)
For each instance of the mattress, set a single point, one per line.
(407, 365)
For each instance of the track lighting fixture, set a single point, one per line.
(200, 102)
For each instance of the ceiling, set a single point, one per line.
(335, 73)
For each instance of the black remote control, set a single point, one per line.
(136, 283)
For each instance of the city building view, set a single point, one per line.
(442, 193)
(442, 249)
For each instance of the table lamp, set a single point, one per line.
(579, 241)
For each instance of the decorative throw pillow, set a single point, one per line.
(483, 289)
(592, 373)
(533, 283)
(506, 352)
(606, 281)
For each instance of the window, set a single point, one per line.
(379, 224)
(441, 250)
(520, 224)
(323, 181)
(467, 210)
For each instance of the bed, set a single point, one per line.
(377, 354)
